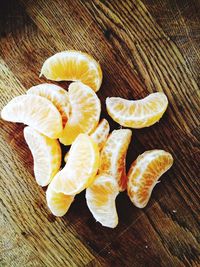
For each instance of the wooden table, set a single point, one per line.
(143, 47)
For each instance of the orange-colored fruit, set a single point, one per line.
(137, 113)
(100, 134)
(144, 174)
(113, 156)
(84, 114)
(100, 197)
(46, 155)
(58, 203)
(73, 65)
(81, 167)
(35, 111)
(56, 94)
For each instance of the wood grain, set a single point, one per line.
(180, 22)
(143, 46)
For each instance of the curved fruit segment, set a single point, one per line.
(73, 66)
(100, 197)
(113, 156)
(58, 203)
(81, 167)
(35, 111)
(100, 134)
(84, 114)
(144, 174)
(46, 155)
(137, 113)
(56, 94)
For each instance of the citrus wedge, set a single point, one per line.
(84, 114)
(100, 134)
(100, 197)
(81, 167)
(73, 65)
(137, 113)
(56, 94)
(144, 174)
(35, 111)
(113, 156)
(46, 155)
(58, 203)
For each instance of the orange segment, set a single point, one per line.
(137, 113)
(84, 114)
(73, 66)
(58, 203)
(144, 174)
(56, 94)
(100, 134)
(100, 197)
(81, 167)
(35, 111)
(46, 155)
(113, 156)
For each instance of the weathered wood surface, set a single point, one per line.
(143, 46)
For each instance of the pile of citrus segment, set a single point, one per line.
(96, 160)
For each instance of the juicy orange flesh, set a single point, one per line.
(60, 200)
(57, 95)
(71, 69)
(100, 198)
(74, 66)
(58, 203)
(46, 154)
(101, 132)
(139, 107)
(84, 113)
(81, 167)
(107, 160)
(123, 179)
(35, 111)
(149, 177)
(102, 193)
(122, 169)
(137, 113)
(55, 152)
(99, 135)
(70, 132)
(135, 172)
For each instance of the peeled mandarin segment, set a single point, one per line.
(100, 197)
(46, 155)
(58, 203)
(35, 111)
(73, 66)
(100, 134)
(113, 156)
(144, 174)
(137, 113)
(81, 167)
(56, 94)
(84, 114)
